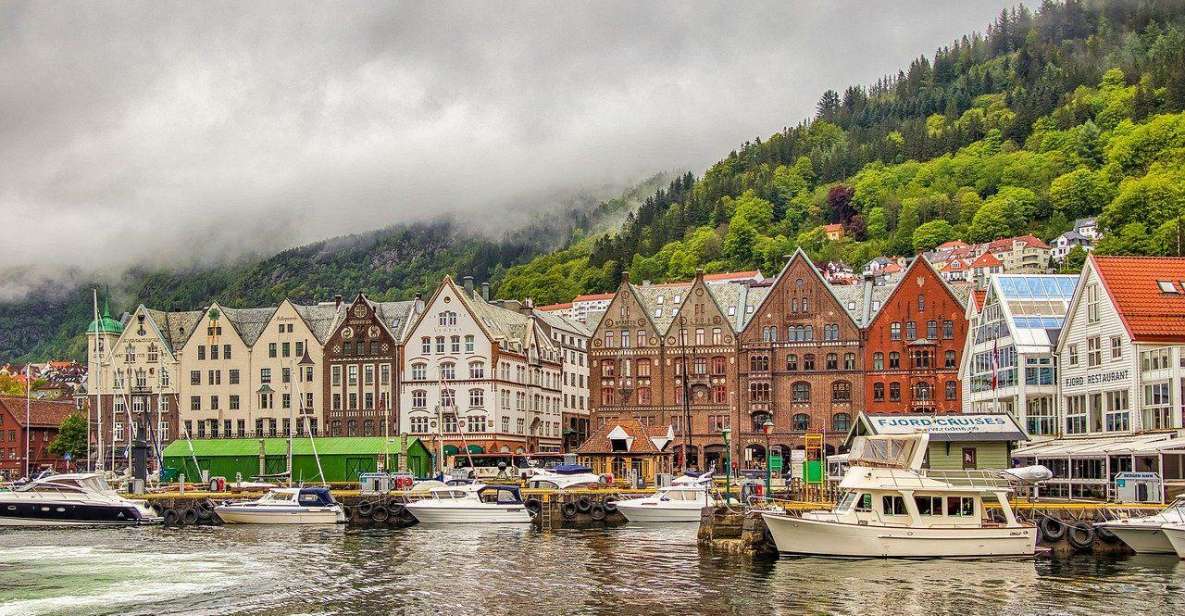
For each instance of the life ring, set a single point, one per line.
(170, 517)
(597, 512)
(365, 508)
(380, 514)
(534, 506)
(189, 518)
(1052, 529)
(1106, 534)
(610, 504)
(1081, 536)
(568, 510)
(583, 504)
(607, 478)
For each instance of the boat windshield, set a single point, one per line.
(846, 503)
(448, 494)
(882, 451)
(682, 495)
(279, 496)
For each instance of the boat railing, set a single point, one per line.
(981, 479)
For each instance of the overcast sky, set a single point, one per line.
(157, 132)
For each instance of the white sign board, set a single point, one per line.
(942, 424)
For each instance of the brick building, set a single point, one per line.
(799, 365)
(913, 346)
(44, 418)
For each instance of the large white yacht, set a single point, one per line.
(1146, 535)
(682, 501)
(72, 499)
(471, 504)
(1175, 533)
(285, 506)
(891, 508)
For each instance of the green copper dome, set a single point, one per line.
(105, 324)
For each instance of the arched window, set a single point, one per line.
(477, 370)
(801, 391)
(841, 422)
(894, 360)
(895, 331)
(802, 422)
(759, 420)
(841, 391)
(477, 398)
(718, 365)
(808, 362)
(806, 305)
(351, 427)
(448, 371)
(923, 391)
(832, 361)
(608, 368)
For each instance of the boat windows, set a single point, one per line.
(846, 503)
(864, 503)
(960, 506)
(893, 505)
(546, 485)
(928, 505)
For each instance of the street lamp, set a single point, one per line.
(768, 427)
(727, 465)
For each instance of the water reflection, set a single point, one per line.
(509, 570)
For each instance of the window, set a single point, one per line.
(265, 375)
(841, 422)
(895, 331)
(419, 399)
(921, 303)
(419, 372)
(285, 375)
(201, 352)
(792, 362)
(949, 359)
(226, 351)
(1116, 347)
(455, 344)
(808, 362)
(849, 361)
(841, 391)
(477, 423)
(195, 403)
(1158, 412)
(932, 330)
(384, 374)
(469, 343)
(1092, 303)
(911, 330)
(1118, 414)
(234, 402)
(195, 377)
(440, 345)
(961, 506)
(878, 361)
(894, 392)
(716, 338)
(894, 360)
(893, 505)
(477, 398)
(286, 349)
(643, 395)
(719, 394)
(352, 375)
(1094, 353)
(759, 392)
(801, 392)
(718, 366)
(802, 422)
(271, 349)
(425, 345)
(1076, 415)
(447, 318)
(948, 329)
(477, 370)
(1073, 355)
(952, 390)
(759, 363)
(213, 403)
(233, 375)
(928, 505)
(419, 425)
(1040, 417)
(832, 361)
(878, 392)
(923, 391)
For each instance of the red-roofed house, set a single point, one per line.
(622, 447)
(582, 305)
(563, 310)
(951, 245)
(834, 232)
(1122, 345)
(44, 418)
(984, 266)
(1024, 254)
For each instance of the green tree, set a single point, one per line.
(1074, 261)
(1081, 192)
(1131, 239)
(71, 438)
(738, 242)
(991, 221)
(931, 234)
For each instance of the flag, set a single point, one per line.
(995, 363)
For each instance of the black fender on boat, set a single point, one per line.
(597, 511)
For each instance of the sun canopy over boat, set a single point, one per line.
(889, 451)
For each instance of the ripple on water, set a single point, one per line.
(507, 570)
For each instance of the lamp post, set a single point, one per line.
(768, 427)
(727, 465)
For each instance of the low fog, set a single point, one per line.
(185, 133)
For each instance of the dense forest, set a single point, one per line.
(1070, 111)
(388, 264)
(1074, 109)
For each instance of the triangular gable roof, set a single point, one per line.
(1132, 283)
(248, 322)
(151, 317)
(917, 263)
(799, 253)
(986, 259)
(641, 439)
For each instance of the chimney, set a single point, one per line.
(625, 277)
(468, 285)
(699, 273)
(485, 291)
(337, 301)
(419, 305)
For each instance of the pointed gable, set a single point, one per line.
(798, 280)
(919, 279)
(699, 310)
(626, 311)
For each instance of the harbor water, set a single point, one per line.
(459, 570)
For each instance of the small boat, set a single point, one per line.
(71, 499)
(1145, 535)
(471, 504)
(682, 501)
(891, 508)
(564, 477)
(285, 506)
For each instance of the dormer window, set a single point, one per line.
(1167, 286)
(619, 444)
(678, 298)
(659, 300)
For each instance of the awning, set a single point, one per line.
(450, 450)
(1147, 444)
(476, 449)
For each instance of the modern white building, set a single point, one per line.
(1009, 365)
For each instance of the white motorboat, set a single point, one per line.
(285, 506)
(890, 508)
(564, 477)
(72, 499)
(1175, 533)
(682, 501)
(471, 504)
(1145, 535)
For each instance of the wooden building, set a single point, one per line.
(626, 448)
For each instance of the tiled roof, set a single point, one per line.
(176, 327)
(321, 318)
(249, 322)
(551, 307)
(891, 268)
(659, 301)
(986, 259)
(558, 322)
(1151, 314)
(732, 275)
(593, 297)
(1005, 243)
(863, 301)
(978, 295)
(394, 315)
(42, 413)
(952, 244)
(640, 435)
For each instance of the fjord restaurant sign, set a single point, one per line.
(942, 424)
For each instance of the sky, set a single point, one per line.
(186, 133)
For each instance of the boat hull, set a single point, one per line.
(278, 515)
(822, 538)
(71, 514)
(650, 513)
(493, 514)
(1176, 536)
(1142, 539)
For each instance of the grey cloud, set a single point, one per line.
(191, 132)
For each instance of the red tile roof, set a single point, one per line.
(1148, 313)
(833, 227)
(891, 268)
(599, 441)
(1005, 243)
(952, 244)
(42, 413)
(978, 295)
(550, 307)
(986, 259)
(593, 297)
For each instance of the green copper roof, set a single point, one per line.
(105, 324)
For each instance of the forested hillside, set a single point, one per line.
(388, 264)
(1071, 111)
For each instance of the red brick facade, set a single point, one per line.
(800, 365)
(913, 347)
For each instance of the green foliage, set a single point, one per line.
(931, 234)
(1074, 261)
(1081, 192)
(71, 438)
